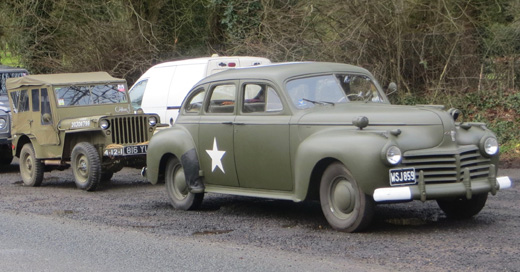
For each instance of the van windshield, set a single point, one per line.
(90, 95)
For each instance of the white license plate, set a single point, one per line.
(402, 176)
(126, 150)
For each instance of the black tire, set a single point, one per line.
(31, 169)
(344, 205)
(181, 198)
(106, 176)
(462, 208)
(86, 166)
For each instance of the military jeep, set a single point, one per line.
(83, 120)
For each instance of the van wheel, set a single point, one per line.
(344, 205)
(31, 169)
(181, 198)
(462, 208)
(86, 166)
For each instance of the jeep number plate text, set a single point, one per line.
(402, 176)
(126, 150)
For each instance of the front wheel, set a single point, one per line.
(86, 166)
(177, 189)
(462, 208)
(344, 205)
(31, 169)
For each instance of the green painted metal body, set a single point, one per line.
(54, 138)
(283, 154)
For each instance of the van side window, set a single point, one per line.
(195, 102)
(45, 106)
(222, 99)
(137, 92)
(260, 98)
(35, 94)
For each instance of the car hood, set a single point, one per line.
(420, 126)
(377, 114)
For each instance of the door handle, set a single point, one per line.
(239, 124)
(227, 123)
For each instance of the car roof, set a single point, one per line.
(282, 71)
(9, 69)
(62, 79)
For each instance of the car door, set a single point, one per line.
(215, 137)
(42, 120)
(262, 151)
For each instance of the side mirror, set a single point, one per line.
(392, 88)
(46, 117)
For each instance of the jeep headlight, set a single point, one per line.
(104, 124)
(393, 155)
(489, 146)
(3, 123)
(152, 121)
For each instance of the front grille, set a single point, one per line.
(129, 130)
(447, 166)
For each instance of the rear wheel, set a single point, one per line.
(31, 169)
(177, 189)
(86, 166)
(461, 208)
(344, 205)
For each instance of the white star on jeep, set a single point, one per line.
(216, 157)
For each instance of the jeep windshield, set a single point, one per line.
(332, 89)
(90, 94)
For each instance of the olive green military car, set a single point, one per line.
(321, 131)
(83, 120)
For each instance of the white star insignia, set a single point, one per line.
(216, 157)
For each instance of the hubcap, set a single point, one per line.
(82, 168)
(180, 188)
(343, 197)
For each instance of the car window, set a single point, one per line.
(194, 103)
(222, 99)
(260, 98)
(359, 88)
(23, 101)
(137, 92)
(45, 106)
(90, 95)
(35, 93)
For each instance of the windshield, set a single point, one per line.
(90, 95)
(332, 89)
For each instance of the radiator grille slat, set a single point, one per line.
(129, 129)
(449, 166)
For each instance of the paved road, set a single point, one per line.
(129, 225)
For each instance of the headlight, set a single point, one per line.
(104, 124)
(490, 146)
(393, 155)
(152, 121)
(3, 123)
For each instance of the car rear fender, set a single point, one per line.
(359, 151)
(172, 142)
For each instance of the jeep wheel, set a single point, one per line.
(177, 189)
(31, 169)
(462, 208)
(344, 205)
(86, 166)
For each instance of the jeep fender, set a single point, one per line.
(359, 151)
(169, 142)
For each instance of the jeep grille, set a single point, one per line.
(129, 130)
(448, 166)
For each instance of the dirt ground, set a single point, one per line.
(404, 237)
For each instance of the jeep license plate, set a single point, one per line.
(402, 176)
(126, 150)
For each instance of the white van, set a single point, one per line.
(163, 87)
